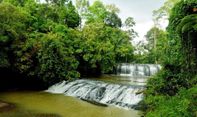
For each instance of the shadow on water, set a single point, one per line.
(12, 80)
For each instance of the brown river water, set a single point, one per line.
(43, 104)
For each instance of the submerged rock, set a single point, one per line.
(95, 102)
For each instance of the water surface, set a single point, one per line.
(42, 102)
(34, 104)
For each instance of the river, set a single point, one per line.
(64, 99)
(30, 104)
(35, 104)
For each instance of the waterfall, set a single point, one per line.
(137, 70)
(101, 92)
(121, 95)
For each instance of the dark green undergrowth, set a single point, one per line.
(173, 91)
(160, 104)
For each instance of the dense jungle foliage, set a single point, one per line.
(173, 91)
(54, 40)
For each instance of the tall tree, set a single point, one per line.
(163, 12)
(98, 12)
(129, 24)
(82, 6)
(157, 43)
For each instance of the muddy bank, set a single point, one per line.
(4, 106)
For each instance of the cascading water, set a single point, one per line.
(101, 92)
(137, 70)
(121, 95)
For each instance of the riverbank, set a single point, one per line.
(4, 106)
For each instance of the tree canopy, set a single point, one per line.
(46, 40)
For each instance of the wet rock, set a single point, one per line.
(95, 103)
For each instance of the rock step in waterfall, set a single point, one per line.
(120, 95)
(101, 92)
